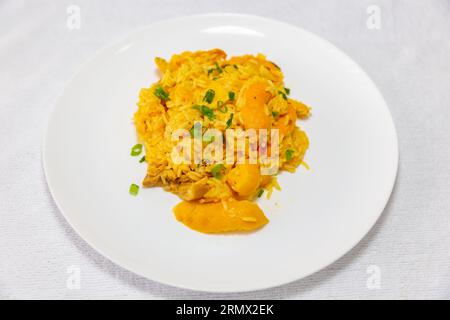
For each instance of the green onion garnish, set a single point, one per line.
(231, 95)
(142, 159)
(206, 111)
(222, 107)
(230, 120)
(209, 96)
(287, 90)
(208, 138)
(160, 93)
(216, 171)
(134, 189)
(289, 154)
(260, 193)
(218, 68)
(275, 113)
(136, 150)
(283, 95)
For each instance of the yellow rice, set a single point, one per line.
(186, 77)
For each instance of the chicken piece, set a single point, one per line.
(192, 191)
(151, 181)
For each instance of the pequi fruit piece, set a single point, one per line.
(244, 179)
(286, 124)
(233, 215)
(302, 110)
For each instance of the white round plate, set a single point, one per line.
(316, 218)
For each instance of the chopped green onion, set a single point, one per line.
(142, 159)
(195, 130)
(208, 138)
(235, 66)
(206, 111)
(222, 107)
(134, 189)
(160, 93)
(275, 113)
(283, 95)
(230, 120)
(136, 150)
(260, 193)
(218, 68)
(216, 171)
(231, 95)
(209, 96)
(289, 154)
(287, 90)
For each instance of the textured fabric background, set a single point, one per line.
(408, 58)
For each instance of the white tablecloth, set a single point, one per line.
(407, 253)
